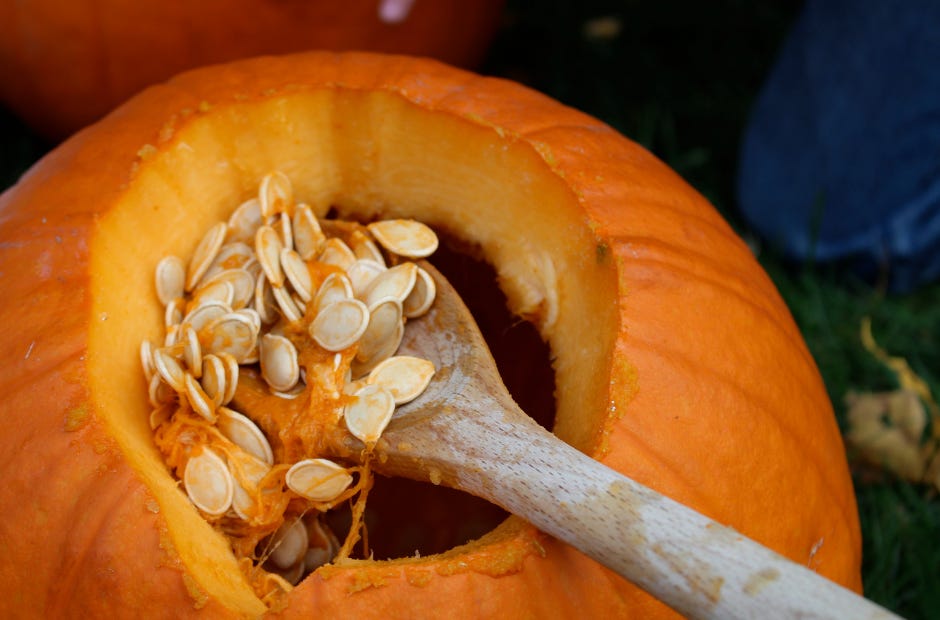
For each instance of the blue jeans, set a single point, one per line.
(841, 156)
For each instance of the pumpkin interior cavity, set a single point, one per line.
(368, 155)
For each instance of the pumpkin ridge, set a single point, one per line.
(679, 215)
(694, 366)
(784, 426)
(650, 454)
(771, 314)
(104, 497)
(661, 257)
(760, 403)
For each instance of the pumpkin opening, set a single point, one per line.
(369, 155)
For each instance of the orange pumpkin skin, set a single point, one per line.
(66, 63)
(703, 389)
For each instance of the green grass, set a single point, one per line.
(679, 78)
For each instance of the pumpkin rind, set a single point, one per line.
(707, 392)
(95, 54)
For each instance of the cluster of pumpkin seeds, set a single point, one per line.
(251, 280)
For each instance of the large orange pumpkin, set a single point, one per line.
(65, 63)
(676, 361)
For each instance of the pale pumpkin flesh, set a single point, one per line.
(675, 360)
(367, 155)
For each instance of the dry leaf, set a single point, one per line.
(888, 429)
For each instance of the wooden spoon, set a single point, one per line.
(466, 432)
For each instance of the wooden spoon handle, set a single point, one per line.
(695, 565)
(700, 568)
(468, 433)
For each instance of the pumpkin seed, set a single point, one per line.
(220, 291)
(171, 333)
(198, 399)
(421, 297)
(308, 237)
(214, 379)
(279, 366)
(253, 267)
(322, 542)
(396, 282)
(170, 279)
(297, 272)
(319, 480)
(316, 557)
(230, 365)
(408, 238)
(169, 369)
(289, 544)
(252, 357)
(405, 377)
(282, 224)
(363, 366)
(192, 350)
(385, 318)
(173, 314)
(159, 391)
(208, 483)
(322, 546)
(365, 248)
(241, 282)
(268, 248)
(340, 324)
(336, 252)
(232, 255)
(231, 333)
(286, 304)
(252, 316)
(276, 194)
(205, 253)
(265, 305)
(146, 359)
(293, 575)
(161, 413)
(368, 415)
(335, 287)
(201, 316)
(241, 431)
(300, 303)
(352, 386)
(245, 221)
(362, 273)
